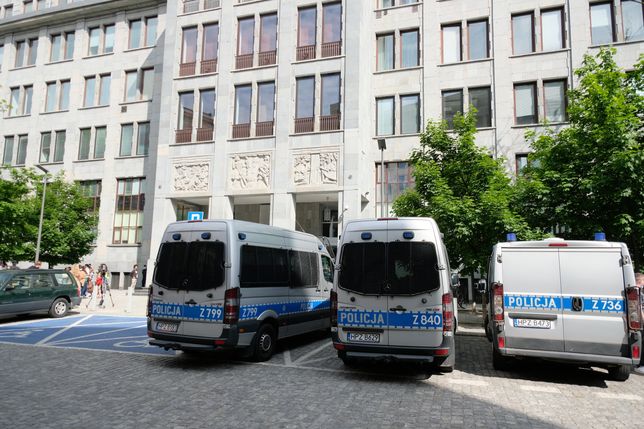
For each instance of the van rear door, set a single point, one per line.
(532, 299)
(592, 283)
(414, 290)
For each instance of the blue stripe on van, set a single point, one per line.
(283, 308)
(562, 302)
(422, 320)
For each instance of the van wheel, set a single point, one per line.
(619, 373)
(264, 343)
(500, 362)
(59, 308)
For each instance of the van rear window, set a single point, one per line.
(398, 268)
(196, 266)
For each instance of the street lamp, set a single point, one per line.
(42, 209)
(382, 145)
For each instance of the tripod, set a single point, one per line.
(109, 292)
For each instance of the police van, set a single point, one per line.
(392, 298)
(573, 301)
(240, 285)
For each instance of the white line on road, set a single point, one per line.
(57, 333)
(26, 322)
(312, 353)
(542, 389)
(287, 358)
(95, 340)
(73, 340)
(468, 382)
(623, 396)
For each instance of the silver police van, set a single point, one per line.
(574, 301)
(392, 297)
(233, 284)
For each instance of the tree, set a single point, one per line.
(589, 177)
(69, 228)
(464, 190)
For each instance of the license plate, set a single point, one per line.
(167, 327)
(362, 337)
(532, 323)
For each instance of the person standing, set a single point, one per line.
(639, 281)
(144, 273)
(134, 276)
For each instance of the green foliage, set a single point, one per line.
(589, 176)
(68, 225)
(465, 190)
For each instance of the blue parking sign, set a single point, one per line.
(195, 215)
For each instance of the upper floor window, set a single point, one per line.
(410, 114)
(210, 42)
(385, 47)
(130, 204)
(97, 94)
(481, 99)
(189, 45)
(330, 103)
(525, 101)
(331, 29)
(520, 162)
(633, 17)
(392, 3)
(554, 98)
(408, 44)
(523, 33)
(131, 147)
(410, 53)
(87, 146)
(246, 39)
(452, 43)
(28, 6)
(139, 84)
(143, 32)
(477, 40)
(385, 117)
(8, 11)
(92, 189)
(452, 104)
(398, 177)
(26, 52)
(207, 99)
(552, 30)
(57, 97)
(62, 47)
(305, 97)
(20, 101)
(307, 24)
(52, 141)
(243, 96)
(101, 40)
(326, 101)
(265, 109)
(602, 23)
(21, 154)
(186, 110)
(1, 55)
(7, 152)
(268, 33)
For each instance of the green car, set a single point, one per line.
(35, 291)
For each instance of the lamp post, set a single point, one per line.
(382, 145)
(42, 210)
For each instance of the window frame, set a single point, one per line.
(562, 16)
(393, 50)
(402, 50)
(535, 105)
(611, 7)
(460, 42)
(450, 122)
(418, 113)
(393, 115)
(487, 39)
(532, 32)
(563, 81)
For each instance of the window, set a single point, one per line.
(139, 84)
(327, 268)
(14, 102)
(554, 95)
(266, 102)
(26, 52)
(521, 162)
(410, 114)
(331, 23)
(303, 267)
(552, 30)
(305, 102)
(398, 178)
(481, 99)
(21, 48)
(7, 154)
(92, 189)
(45, 147)
(1, 55)
(104, 89)
(94, 40)
(59, 149)
(243, 95)
(633, 17)
(330, 94)
(28, 7)
(57, 96)
(477, 39)
(151, 25)
(189, 45)
(130, 204)
(85, 146)
(32, 52)
(20, 101)
(410, 55)
(207, 98)
(210, 42)
(85, 140)
(525, 102)
(127, 139)
(246, 40)
(143, 138)
(21, 156)
(143, 32)
(186, 110)
(108, 45)
(451, 43)
(62, 47)
(523, 33)
(101, 40)
(268, 33)
(99, 142)
(307, 25)
(127, 136)
(136, 28)
(8, 10)
(452, 104)
(385, 46)
(385, 116)
(264, 267)
(90, 91)
(601, 23)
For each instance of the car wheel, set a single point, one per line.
(619, 373)
(500, 362)
(59, 308)
(264, 343)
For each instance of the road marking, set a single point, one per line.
(55, 347)
(74, 339)
(95, 340)
(541, 389)
(464, 382)
(321, 359)
(624, 396)
(287, 358)
(57, 333)
(25, 322)
(312, 353)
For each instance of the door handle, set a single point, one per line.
(191, 302)
(399, 308)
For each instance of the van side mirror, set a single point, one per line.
(455, 280)
(482, 286)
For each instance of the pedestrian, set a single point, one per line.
(79, 275)
(91, 277)
(103, 284)
(36, 265)
(134, 276)
(3, 266)
(144, 273)
(639, 281)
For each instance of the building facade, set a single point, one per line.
(271, 110)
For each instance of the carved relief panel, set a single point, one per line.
(316, 168)
(193, 176)
(249, 172)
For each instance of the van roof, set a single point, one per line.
(560, 242)
(411, 223)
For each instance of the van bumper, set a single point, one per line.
(569, 357)
(435, 355)
(227, 340)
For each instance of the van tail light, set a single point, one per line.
(231, 306)
(636, 352)
(497, 302)
(634, 310)
(501, 342)
(148, 311)
(334, 309)
(448, 313)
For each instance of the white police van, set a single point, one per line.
(564, 300)
(392, 297)
(233, 284)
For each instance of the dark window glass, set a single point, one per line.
(633, 13)
(192, 266)
(412, 268)
(363, 267)
(477, 38)
(480, 98)
(452, 104)
(525, 103)
(263, 267)
(327, 268)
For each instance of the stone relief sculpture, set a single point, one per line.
(191, 177)
(302, 169)
(329, 167)
(316, 168)
(250, 172)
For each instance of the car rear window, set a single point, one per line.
(63, 279)
(398, 268)
(193, 266)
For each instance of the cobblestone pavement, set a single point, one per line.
(304, 385)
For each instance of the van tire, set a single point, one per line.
(500, 362)
(59, 308)
(619, 373)
(264, 343)
(488, 329)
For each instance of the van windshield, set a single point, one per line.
(398, 268)
(193, 266)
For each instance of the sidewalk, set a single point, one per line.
(120, 307)
(470, 321)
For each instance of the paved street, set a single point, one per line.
(94, 371)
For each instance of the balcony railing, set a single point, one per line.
(329, 123)
(208, 66)
(211, 4)
(331, 49)
(304, 125)
(244, 61)
(184, 136)
(190, 6)
(263, 129)
(187, 69)
(267, 58)
(305, 53)
(241, 131)
(204, 134)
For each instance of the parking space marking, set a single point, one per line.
(317, 350)
(468, 382)
(619, 396)
(74, 339)
(287, 358)
(57, 333)
(540, 389)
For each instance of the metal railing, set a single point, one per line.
(190, 6)
(205, 134)
(263, 129)
(208, 66)
(241, 131)
(244, 61)
(211, 4)
(329, 123)
(187, 69)
(304, 125)
(305, 53)
(267, 58)
(183, 136)
(331, 49)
